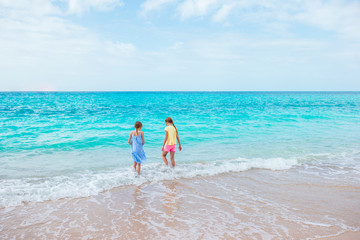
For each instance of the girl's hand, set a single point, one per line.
(162, 149)
(180, 148)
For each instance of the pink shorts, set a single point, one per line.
(170, 148)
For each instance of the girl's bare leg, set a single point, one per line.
(164, 158)
(172, 158)
(135, 163)
(138, 168)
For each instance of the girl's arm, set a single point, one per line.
(143, 138)
(178, 139)
(166, 137)
(129, 141)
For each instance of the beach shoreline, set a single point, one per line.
(226, 206)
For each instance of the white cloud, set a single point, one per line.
(340, 16)
(177, 45)
(120, 48)
(152, 5)
(196, 8)
(46, 7)
(223, 12)
(80, 6)
(42, 50)
(19, 8)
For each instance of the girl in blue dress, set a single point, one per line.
(137, 140)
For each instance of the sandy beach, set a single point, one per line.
(256, 204)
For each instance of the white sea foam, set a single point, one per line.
(15, 192)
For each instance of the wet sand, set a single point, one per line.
(255, 204)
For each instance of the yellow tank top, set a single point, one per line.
(171, 140)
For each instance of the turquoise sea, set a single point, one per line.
(74, 144)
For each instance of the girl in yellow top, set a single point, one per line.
(169, 145)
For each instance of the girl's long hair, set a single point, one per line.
(169, 120)
(137, 125)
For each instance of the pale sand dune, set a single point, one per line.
(256, 204)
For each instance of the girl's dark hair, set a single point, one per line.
(169, 120)
(138, 125)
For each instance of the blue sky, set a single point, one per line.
(184, 45)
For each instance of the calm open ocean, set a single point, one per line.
(72, 145)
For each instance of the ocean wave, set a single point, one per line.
(16, 192)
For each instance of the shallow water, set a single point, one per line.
(255, 204)
(56, 145)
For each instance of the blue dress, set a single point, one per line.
(137, 150)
